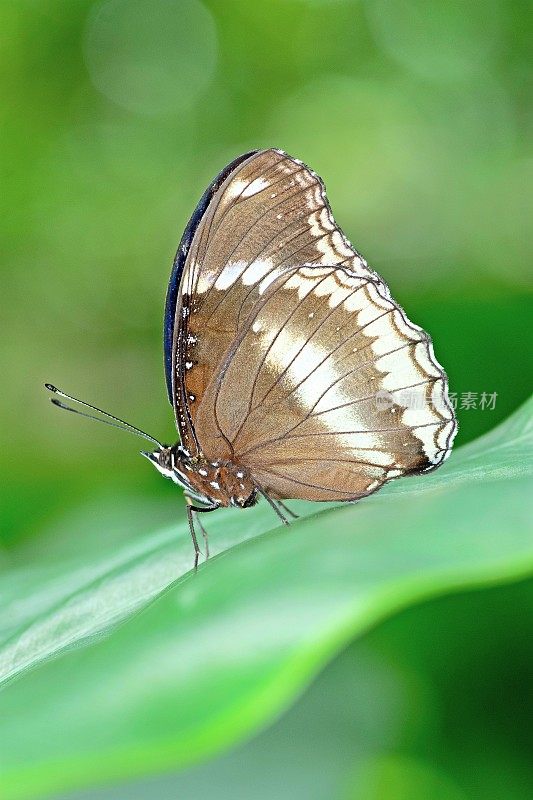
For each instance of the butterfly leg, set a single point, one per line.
(287, 510)
(204, 534)
(191, 510)
(271, 503)
(193, 536)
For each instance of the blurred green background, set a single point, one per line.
(115, 116)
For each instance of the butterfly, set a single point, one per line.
(292, 372)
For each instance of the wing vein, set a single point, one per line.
(372, 396)
(336, 433)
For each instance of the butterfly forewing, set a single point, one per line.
(264, 213)
(289, 357)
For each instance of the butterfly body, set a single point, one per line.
(207, 484)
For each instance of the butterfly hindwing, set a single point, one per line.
(328, 391)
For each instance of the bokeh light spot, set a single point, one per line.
(443, 40)
(151, 57)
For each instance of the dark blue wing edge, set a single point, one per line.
(179, 263)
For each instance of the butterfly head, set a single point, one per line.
(171, 462)
(162, 460)
(206, 483)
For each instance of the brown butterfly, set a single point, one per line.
(292, 372)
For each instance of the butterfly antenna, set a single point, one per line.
(117, 422)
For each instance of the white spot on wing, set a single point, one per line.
(231, 273)
(255, 186)
(257, 271)
(312, 372)
(236, 187)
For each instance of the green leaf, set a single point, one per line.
(159, 667)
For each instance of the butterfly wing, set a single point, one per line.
(311, 377)
(329, 391)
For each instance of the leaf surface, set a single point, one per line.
(128, 660)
